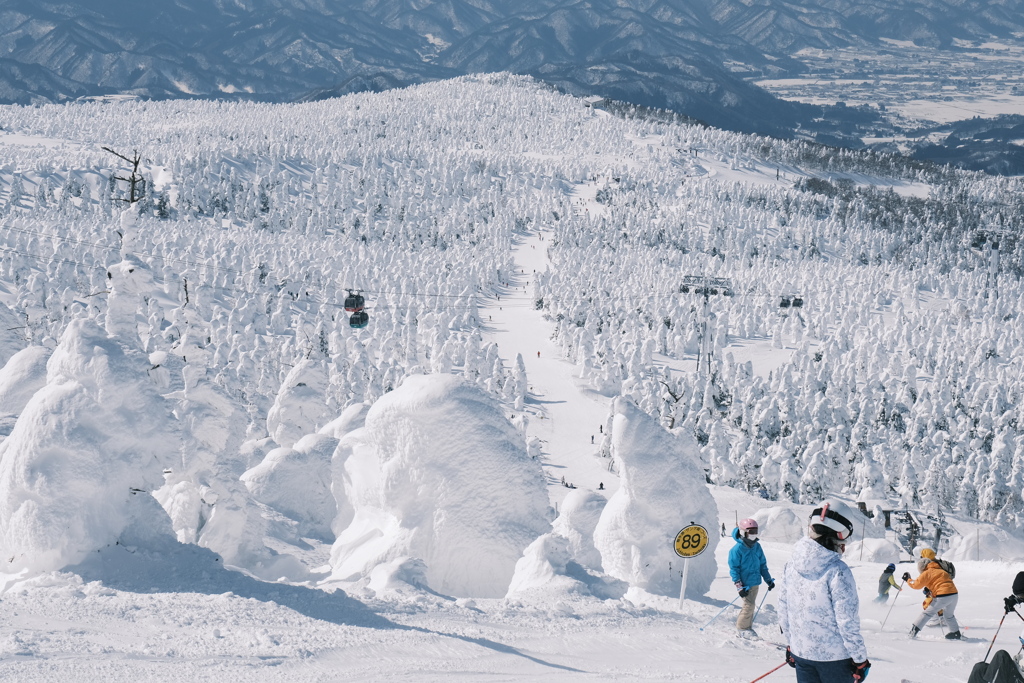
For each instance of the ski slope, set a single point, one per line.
(564, 416)
(203, 623)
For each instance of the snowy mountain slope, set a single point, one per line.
(487, 218)
(785, 26)
(665, 54)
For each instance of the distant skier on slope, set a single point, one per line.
(747, 565)
(885, 582)
(818, 605)
(944, 594)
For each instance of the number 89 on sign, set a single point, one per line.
(691, 541)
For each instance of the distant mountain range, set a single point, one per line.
(663, 53)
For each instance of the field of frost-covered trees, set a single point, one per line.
(905, 378)
(901, 373)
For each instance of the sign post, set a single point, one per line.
(690, 542)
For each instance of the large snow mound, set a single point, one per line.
(95, 435)
(439, 473)
(297, 483)
(780, 524)
(662, 490)
(576, 522)
(873, 550)
(986, 543)
(22, 376)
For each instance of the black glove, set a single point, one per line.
(860, 671)
(744, 592)
(1009, 603)
(771, 585)
(789, 658)
(906, 576)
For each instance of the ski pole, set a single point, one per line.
(720, 613)
(769, 673)
(758, 611)
(891, 606)
(996, 635)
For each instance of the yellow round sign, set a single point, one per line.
(691, 541)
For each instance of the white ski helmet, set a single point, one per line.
(829, 528)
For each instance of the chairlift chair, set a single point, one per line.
(798, 302)
(785, 303)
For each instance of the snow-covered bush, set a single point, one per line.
(576, 522)
(542, 569)
(439, 473)
(93, 437)
(297, 483)
(780, 524)
(662, 490)
(21, 377)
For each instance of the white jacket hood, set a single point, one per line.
(810, 560)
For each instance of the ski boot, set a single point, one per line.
(914, 630)
(955, 635)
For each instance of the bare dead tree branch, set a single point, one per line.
(134, 180)
(670, 392)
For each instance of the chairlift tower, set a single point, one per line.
(706, 287)
(995, 238)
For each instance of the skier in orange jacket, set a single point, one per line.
(944, 594)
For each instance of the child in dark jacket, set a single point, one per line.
(885, 582)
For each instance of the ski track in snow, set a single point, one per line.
(563, 415)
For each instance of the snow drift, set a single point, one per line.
(662, 490)
(438, 473)
(95, 435)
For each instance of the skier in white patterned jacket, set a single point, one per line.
(818, 605)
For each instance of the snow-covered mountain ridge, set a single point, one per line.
(666, 54)
(523, 257)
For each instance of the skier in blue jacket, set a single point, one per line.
(747, 566)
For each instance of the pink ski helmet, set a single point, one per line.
(748, 526)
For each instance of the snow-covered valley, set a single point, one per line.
(208, 472)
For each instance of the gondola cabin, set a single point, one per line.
(359, 320)
(354, 302)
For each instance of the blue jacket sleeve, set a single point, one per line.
(734, 564)
(765, 574)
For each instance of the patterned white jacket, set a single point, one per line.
(819, 610)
